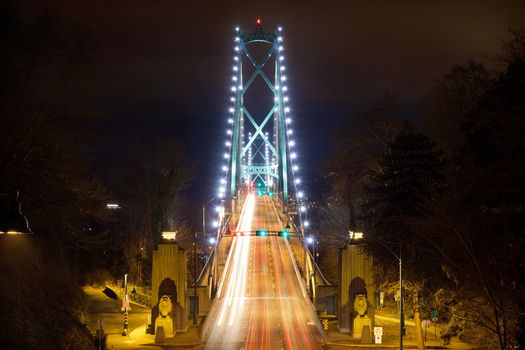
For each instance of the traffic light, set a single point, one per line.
(283, 234)
(261, 233)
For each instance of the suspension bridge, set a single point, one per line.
(261, 278)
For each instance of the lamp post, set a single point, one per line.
(359, 235)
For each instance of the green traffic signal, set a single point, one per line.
(261, 233)
(283, 234)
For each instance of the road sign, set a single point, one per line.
(378, 334)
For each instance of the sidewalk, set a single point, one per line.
(138, 339)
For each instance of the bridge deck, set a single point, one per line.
(262, 303)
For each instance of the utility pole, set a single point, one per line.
(196, 299)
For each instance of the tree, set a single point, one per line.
(151, 192)
(477, 225)
(412, 172)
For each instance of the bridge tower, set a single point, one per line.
(260, 145)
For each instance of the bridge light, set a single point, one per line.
(228, 143)
(226, 155)
(236, 48)
(283, 78)
(235, 68)
(236, 58)
(223, 181)
(300, 194)
(309, 240)
(281, 48)
(285, 88)
(212, 240)
(231, 110)
(280, 28)
(287, 109)
(229, 132)
(280, 38)
(295, 168)
(283, 68)
(276, 86)
(289, 131)
(297, 181)
(215, 224)
(237, 39)
(306, 223)
(293, 155)
(236, 29)
(288, 120)
(221, 195)
(224, 168)
(286, 99)
(232, 99)
(217, 208)
(291, 143)
(259, 21)
(281, 58)
(240, 86)
(233, 88)
(302, 208)
(234, 78)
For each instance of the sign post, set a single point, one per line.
(125, 305)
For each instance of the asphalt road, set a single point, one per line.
(262, 303)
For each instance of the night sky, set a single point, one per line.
(164, 66)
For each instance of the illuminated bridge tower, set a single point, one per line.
(259, 136)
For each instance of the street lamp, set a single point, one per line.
(358, 236)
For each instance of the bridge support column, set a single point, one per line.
(168, 280)
(356, 291)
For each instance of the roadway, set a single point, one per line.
(262, 302)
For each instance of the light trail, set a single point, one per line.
(263, 303)
(237, 266)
